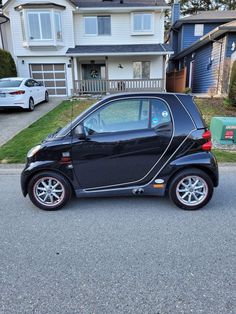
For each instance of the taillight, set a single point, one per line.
(18, 92)
(207, 135)
(208, 145)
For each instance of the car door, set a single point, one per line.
(38, 91)
(32, 89)
(125, 140)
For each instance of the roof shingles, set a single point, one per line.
(118, 3)
(115, 49)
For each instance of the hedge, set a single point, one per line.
(7, 64)
(232, 85)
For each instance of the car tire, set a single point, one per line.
(31, 104)
(191, 189)
(49, 190)
(46, 97)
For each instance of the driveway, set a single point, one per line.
(117, 255)
(13, 121)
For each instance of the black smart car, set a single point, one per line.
(126, 144)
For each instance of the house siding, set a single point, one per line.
(188, 37)
(119, 35)
(206, 76)
(16, 33)
(203, 77)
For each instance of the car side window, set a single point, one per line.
(29, 83)
(120, 115)
(36, 84)
(160, 114)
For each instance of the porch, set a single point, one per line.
(102, 86)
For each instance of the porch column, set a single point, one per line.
(106, 75)
(75, 74)
(164, 73)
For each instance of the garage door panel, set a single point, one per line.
(36, 67)
(52, 75)
(59, 75)
(59, 67)
(60, 84)
(48, 67)
(61, 91)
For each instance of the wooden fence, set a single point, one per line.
(176, 81)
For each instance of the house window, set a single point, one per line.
(143, 23)
(199, 30)
(22, 26)
(58, 32)
(141, 70)
(97, 25)
(41, 25)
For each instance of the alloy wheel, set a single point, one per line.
(192, 190)
(49, 191)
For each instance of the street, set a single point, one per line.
(118, 255)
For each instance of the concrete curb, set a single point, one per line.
(15, 169)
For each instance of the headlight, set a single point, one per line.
(33, 151)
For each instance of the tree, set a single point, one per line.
(8, 67)
(232, 86)
(228, 4)
(194, 6)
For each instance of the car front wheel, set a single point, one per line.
(191, 189)
(49, 190)
(46, 97)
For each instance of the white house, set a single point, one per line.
(86, 46)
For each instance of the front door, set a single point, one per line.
(93, 71)
(125, 140)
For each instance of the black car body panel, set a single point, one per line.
(128, 161)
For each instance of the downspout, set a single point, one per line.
(6, 20)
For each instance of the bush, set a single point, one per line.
(232, 86)
(7, 64)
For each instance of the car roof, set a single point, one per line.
(14, 78)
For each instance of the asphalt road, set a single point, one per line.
(118, 255)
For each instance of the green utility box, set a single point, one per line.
(223, 130)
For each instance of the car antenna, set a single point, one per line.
(71, 117)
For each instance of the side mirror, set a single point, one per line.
(79, 132)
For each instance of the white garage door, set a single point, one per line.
(52, 75)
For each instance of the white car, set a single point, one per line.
(16, 92)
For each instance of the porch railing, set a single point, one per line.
(117, 86)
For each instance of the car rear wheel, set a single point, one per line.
(49, 190)
(46, 97)
(31, 104)
(191, 189)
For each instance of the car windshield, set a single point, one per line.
(10, 83)
(67, 128)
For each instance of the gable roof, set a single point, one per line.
(207, 17)
(119, 3)
(211, 36)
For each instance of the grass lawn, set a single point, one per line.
(16, 149)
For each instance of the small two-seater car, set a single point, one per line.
(126, 144)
